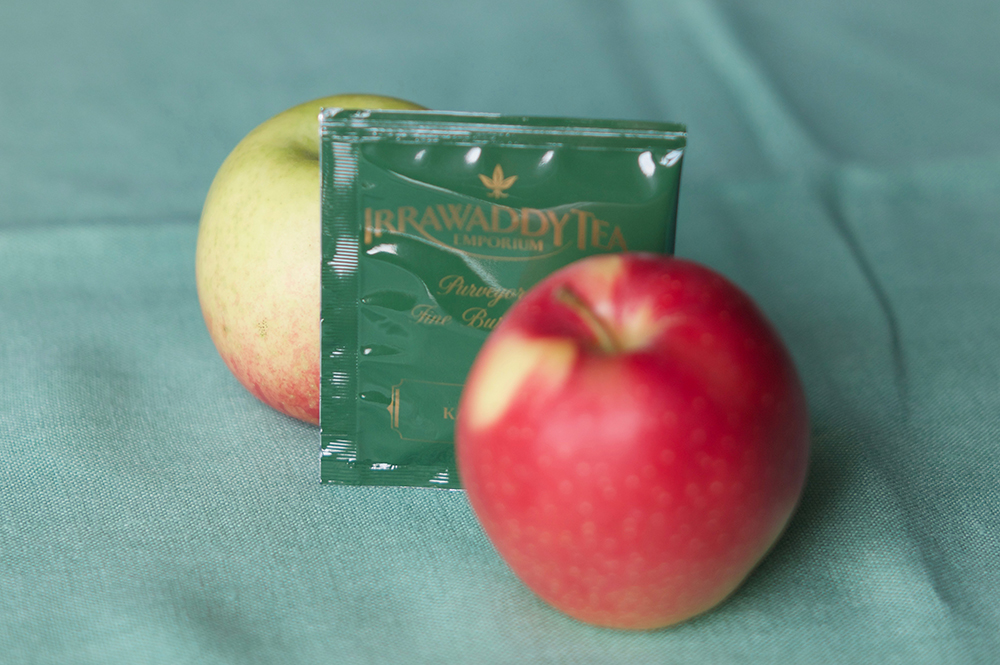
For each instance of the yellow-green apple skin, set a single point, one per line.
(257, 262)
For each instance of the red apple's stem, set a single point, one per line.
(605, 336)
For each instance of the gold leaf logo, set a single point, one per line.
(498, 183)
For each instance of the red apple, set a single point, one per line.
(633, 437)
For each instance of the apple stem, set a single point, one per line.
(605, 336)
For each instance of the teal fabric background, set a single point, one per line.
(844, 168)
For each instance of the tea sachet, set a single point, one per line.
(433, 225)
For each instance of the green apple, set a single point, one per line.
(258, 258)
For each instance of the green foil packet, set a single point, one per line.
(434, 224)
